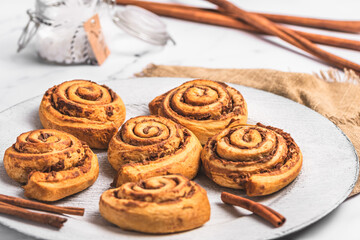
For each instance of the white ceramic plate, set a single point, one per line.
(328, 175)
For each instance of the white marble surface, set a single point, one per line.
(25, 76)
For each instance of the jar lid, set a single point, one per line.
(142, 24)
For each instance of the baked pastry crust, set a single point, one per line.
(203, 106)
(52, 164)
(259, 159)
(148, 146)
(91, 112)
(162, 204)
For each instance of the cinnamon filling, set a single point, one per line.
(89, 93)
(242, 178)
(224, 110)
(158, 197)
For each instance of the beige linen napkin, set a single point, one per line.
(338, 101)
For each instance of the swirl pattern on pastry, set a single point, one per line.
(161, 204)
(91, 112)
(52, 164)
(203, 106)
(149, 146)
(259, 159)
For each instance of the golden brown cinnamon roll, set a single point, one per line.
(91, 112)
(148, 146)
(259, 159)
(162, 204)
(203, 106)
(52, 164)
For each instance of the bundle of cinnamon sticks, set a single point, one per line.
(17, 207)
(230, 15)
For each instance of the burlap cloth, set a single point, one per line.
(324, 93)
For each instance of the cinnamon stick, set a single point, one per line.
(44, 218)
(208, 16)
(270, 215)
(41, 206)
(287, 35)
(335, 25)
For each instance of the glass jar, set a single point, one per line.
(57, 26)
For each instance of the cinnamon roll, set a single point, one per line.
(162, 204)
(148, 146)
(259, 159)
(52, 164)
(203, 106)
(91, 112)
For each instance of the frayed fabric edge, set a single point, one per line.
(146, 71)
(330, 75)
(335, 75)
